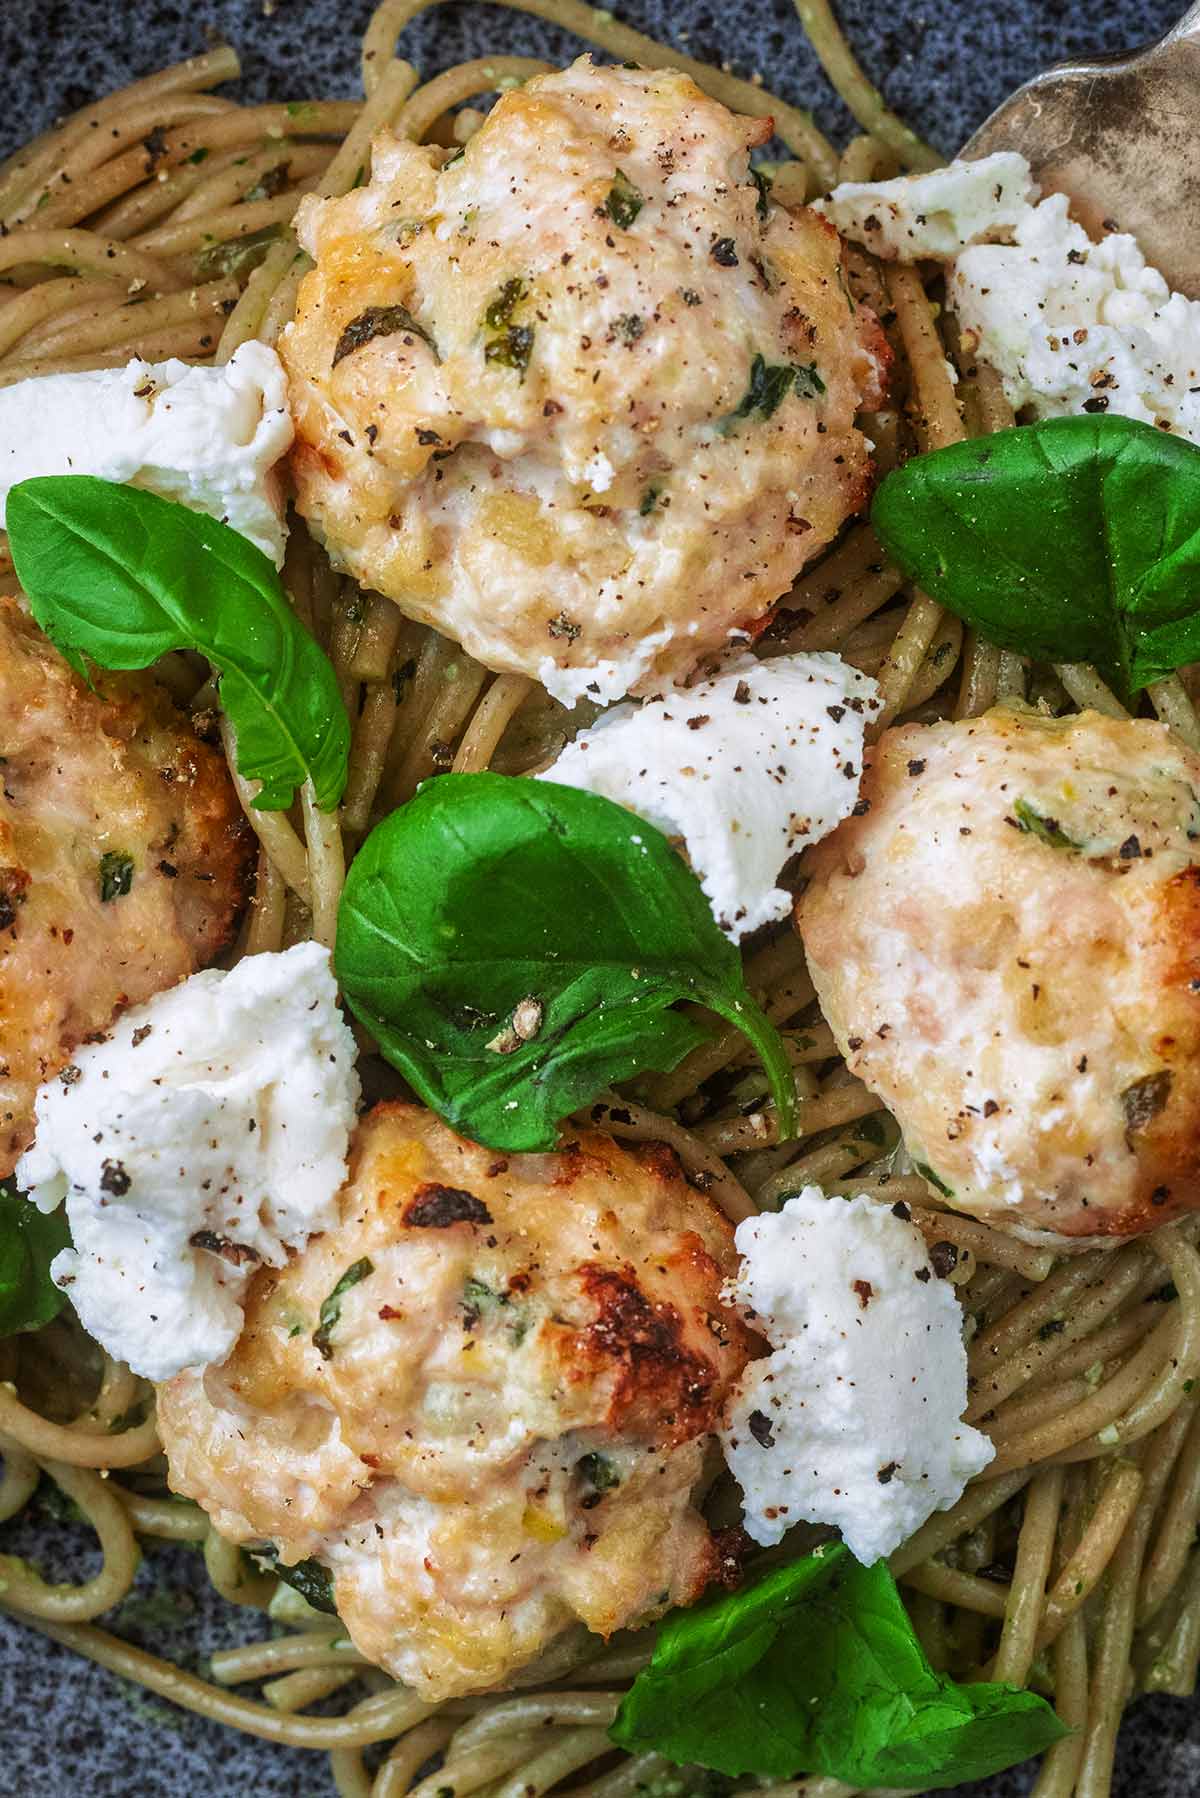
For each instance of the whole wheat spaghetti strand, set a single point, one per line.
(308, 1685)
(173, 1520)
(188, 236)
(203, 306)
(860, 95)
(1060, 1298)
(264, 931)
(979, 1502)
(537, 1711)
(192, 343)
(25, 1588)
(285, 164)
(1060, 1766)
(271, 828)
(1110, 1665)
(1031, 1570)
(1170, 700)
(26, 170)
(578, 1748)
(1088, 690)
(1180, 1369)
(1174, 1667)
(85, 252)
(462, 681)
(794, 126)
(429, 102)
(38, 305)
(469, 1769)
(285, 1654)
(234, 1576)
(326, 865)
(491, 718)
(349, 1773)
(1174, 1540)
(375, 1720)
(952, 1586)
(96, 173)
(76, 1447)
(19, 1481)
(395, 1777)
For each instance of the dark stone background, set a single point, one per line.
(68, 1727)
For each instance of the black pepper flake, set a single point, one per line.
(724, 252)
(1097, 403)
(140, 1034)
(741, 693)
(1130, 850)
(915, 768)
(426, 436)
(759, 1425)
(114, 1179)
(923, 1275)
(699, 721)
(836, 712)
(887, 1474)
(902, 1211)
(990, 1108)
(562, 626)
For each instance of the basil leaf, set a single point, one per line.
(29, 1241)
(311, 1578)
(815, 1668)
(1072, 540)
(515, 947)
(331, 1306)
(121, 576)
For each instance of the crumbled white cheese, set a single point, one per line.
(746, 768)
(205, 1134)
(209, 437)
(854, 1419)
(936, 214)
(1069, 325)
(1074, 326)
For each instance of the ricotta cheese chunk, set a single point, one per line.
(747, 768)
(854, 1419)
(936, 214)
(1069, 325)
(209, 437)
(206, 1134)
(1072, 326)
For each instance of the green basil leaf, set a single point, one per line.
(29, 1241)
(815, 1668)
(515, 947)
(121, 576)
(1072, 540)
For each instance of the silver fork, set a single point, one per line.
(1121, 136)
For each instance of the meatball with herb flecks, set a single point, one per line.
(580, 396)
(124, 858)
(483, 1400)
(1007, 945)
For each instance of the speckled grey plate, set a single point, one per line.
(942, 63)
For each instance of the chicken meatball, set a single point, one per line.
(123, 859)
(482, 1399)
(1007, 945)
(579, 396)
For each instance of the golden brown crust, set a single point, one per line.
(89, 771)
(510, 1422)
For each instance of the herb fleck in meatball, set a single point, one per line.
(123, 858)
(1007, 945)
(483, 1400)
(579, 396)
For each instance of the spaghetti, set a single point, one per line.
(1070, 1564)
